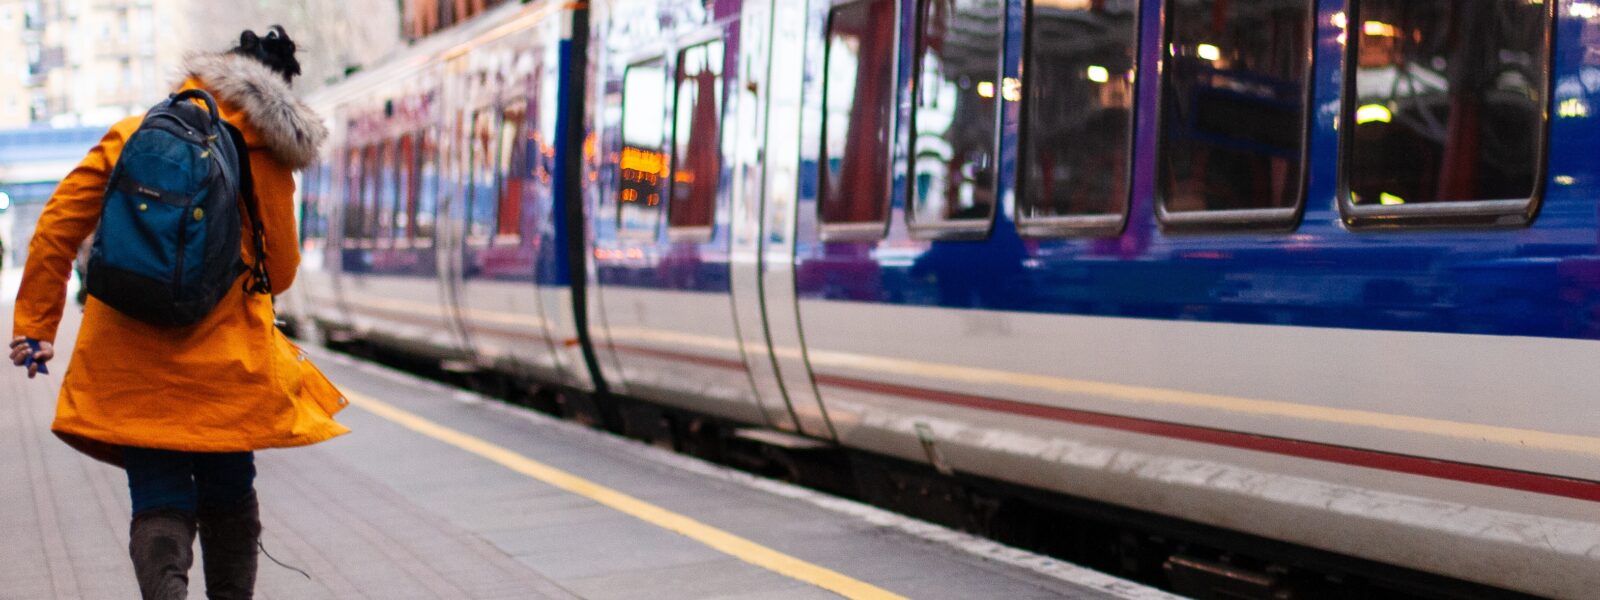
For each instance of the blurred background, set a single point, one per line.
(71, 68)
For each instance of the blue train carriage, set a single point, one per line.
(436, 224)
(1322, 272)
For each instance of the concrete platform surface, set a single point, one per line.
(441, 494)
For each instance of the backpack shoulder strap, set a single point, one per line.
(258, 282)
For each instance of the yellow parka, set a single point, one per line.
(230, 383)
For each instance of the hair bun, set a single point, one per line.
(275, 50)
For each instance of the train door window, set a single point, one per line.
(858, 106)
(427, 205)
(1232, 143)
(406, 207)
(354, 213)
(514, 172)
(956, 89)
(697, 142)
(1445, 111)
(482, 177)
(644, 166)
(1077, 114)
(388, 195)
(370, 176)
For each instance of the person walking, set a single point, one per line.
(183, 408)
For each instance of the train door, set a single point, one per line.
(500, 306)
(450, 227)
(765, 216)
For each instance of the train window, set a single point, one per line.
(354, 215)
(1232, 143)
(1077, 112)
(428, 192)
(370, 175)
(483, 180)
(697, 141)
(406, 208)
(957, 87)
(308, 202)
(1446, 111)
(514, 172)
(644, 166)
(388, 194)
(858, 105)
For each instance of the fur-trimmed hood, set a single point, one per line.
(284, 124)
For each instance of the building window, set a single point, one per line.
(1446, 111)
(1233, 112)
(644, 166)
(956, 89)
(1078, 90)
(858, 108)
(697, 143)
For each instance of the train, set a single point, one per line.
(1321, 275)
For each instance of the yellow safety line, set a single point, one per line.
(720, 540)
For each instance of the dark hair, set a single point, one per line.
(275, 50)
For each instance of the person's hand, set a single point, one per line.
(20, 351)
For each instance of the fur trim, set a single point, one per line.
(286, 125)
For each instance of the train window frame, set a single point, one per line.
(696, 233)
(863, 231)
(950, 229)
(1244, 220)
(1450, 214)
(653, 232)
(1106, 225)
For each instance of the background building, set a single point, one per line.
(67, 63)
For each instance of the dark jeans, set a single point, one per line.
(188, 480)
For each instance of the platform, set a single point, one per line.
(441, 494)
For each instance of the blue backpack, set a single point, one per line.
(168, 244)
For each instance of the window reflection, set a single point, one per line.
(428, 195)
(858, 100)
(643, 167)
(482, 188)
(355, 213)
(388, 194)
(1449, 100)
(513, 169)
(1079, 90)
(372, 171)
(697, 157)
(1233, 104)
(405, 216)
(956, 92)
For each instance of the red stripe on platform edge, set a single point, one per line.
(1550, 485)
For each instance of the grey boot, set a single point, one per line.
(228, 540)
(161, 544)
